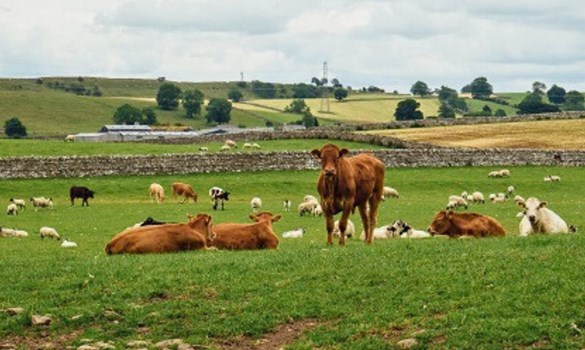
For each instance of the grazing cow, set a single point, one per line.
(540, 219)
(168, 238)
(258, 235)
(80, 192)
(157, 193)
(465, 224)
(346, 183)
(217, 194)
(184, 190)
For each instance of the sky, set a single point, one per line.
(390, 44)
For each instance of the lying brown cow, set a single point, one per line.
(168, 238)
(346, 183)
(465, 224)
(258, 235)
(184, 190)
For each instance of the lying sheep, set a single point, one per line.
(256, 203)
(204, 149)
(404, 230)
(68, 244)
(504, 173)
(12, 209)
(389, 192)
(349, 229)
(225, 148)
(41, 202)
(382, 232)
(20, 203)
(296, 233)
(49, 232)
(553, 178)
(12, 232)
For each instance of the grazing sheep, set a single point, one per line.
(296, 233)
(318, 210)
(404, 230)
(225, 148)
(456, 201)
(204, 149)
(12, 209)
(247, 145)
(554, 178)
(349, 229)
(70, 138)
(540, 219)
(511, 189)
(389, 192)
(157, 193)
(464, 194)
(499, 199)
(12, 232)
(478, 197)
(21, 203)
(49, 232)
(494, 174)
(504, 173)
(256, 203)
(307, 207)
(41, 202)
(68, 244)
(286, 204)
(255, 146)
(230, 144)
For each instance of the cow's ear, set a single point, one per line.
(542, 205)
(276, 218)
(343, 152)
(316, 153)
(253, 217)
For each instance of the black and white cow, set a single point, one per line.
(218, 194)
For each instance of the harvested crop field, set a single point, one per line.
(545, 134)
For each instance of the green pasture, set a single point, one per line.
(508, 293)
(26, 147)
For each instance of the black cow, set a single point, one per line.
(80, 192)
(152, 222)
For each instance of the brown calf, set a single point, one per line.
(465, 224)
(258, 235)
(184, 190)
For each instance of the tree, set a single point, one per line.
(168, 96)
(218, 110)
(466, 89)
(340, 94)
(574, 101)
(316, 81)
(192, 102)
(445, 93)
(500, 113)
(532, 103)
(14, 129)
(451, 97)
(407, 110)
(336, 84)
(556, 94)
(480, 88)
(309, 120)
(297, 106)
(486, 109)
(235, 95)
(538, 87)
(446, 111)
(420, 88)
(149, 117)
(303, 90)
(127, 114)
(263, 90)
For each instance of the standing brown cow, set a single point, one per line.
(346, 183)
(465, 224)
(184, 190)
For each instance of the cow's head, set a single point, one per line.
(265, 216)
(441, 223)
(531, 209)
(329, 156)
(202, 223)
(90, 193)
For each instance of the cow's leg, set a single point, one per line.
(72, 201)
(373, 215)
(343, 225)
(366, 223)
(329, 228)
(215, 204)
(222, 201)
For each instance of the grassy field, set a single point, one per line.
(544, 134)
(19, 148)
(508, 293)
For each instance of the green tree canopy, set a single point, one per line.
(446, 111)
(148, 116)
(219, 110)
(14, 129)
(533, 103)
(407, 110)
(480, 88)
(262, 89)
(192, 102)
(556, 94)
(297, 106)
(420, 88)
(340, 94)
(336, 84)
(235, 95)
(303, 90)
(451, 97)
(127, 114)
(538, 87)
(446, 93)
(168, 96)
(574, 101)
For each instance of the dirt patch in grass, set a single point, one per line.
(284, 335)
(42, 340)
(544, 134)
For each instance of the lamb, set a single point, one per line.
(12, 209)
(41, 202)
(456, 201)
(349, 229)
(389, 192)
(204, 149)
(230, 144)
(318, 210)
(21, 203)
(504, 173)
(68, 244)
(49, 232)
(478, 197)
(382, 232)
(247, 145)
(511, 189)
(296, 233)
(255, 146)
(225, 148)
(307, 207)
(12, 232)
(540, 219)
(256, 203)
(287, 204)
(553, 178)
(404, 230)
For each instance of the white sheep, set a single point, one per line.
(504, 173)
(204, 149)
(456, 201)
(20, 233)
(287, 204)
(307, 207)
(382, 232)
(256, 203)
(12, 232)
(404, 230)
(518, 199)
(464, 194)
(349, 229)
(70, 138)
(225, 148)
(540, 219)
(12, 209)
(231, 144)
(49, 232)
(494, 173)
(21, 203)
(310, 198)
(318, 210)
(68, 244)
(389, 192)
(555, 178)
(511, 189)
(499, 199)
(247, 145)
(255, 146)
(41, 202)
(296, 233)
(478, 197)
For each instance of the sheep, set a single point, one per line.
(499, 199)
(21, 203)
(12, 209)
(492, 196)
(494, 174)
(307, 207)
(256, 203)
(456, 201)
(20, 233)
(49, 232)
(555, 178)
(389, 192)
(404, 230)
(511, 189)
(247, 145)
(382, 232)
(68, 244)
(478, 197)
(70, 138)
(225, 148)
(255, 146)
(230, 143)
(504, 173)
(41, 202)
(317, 210)
(204, 149)
(349, 229)
(540, 219)
(309, 198)
(296, 233)
(287, 204)
(464, 194)
(12, 232)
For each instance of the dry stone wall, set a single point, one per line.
(78, 166)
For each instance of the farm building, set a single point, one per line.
(121, 133)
